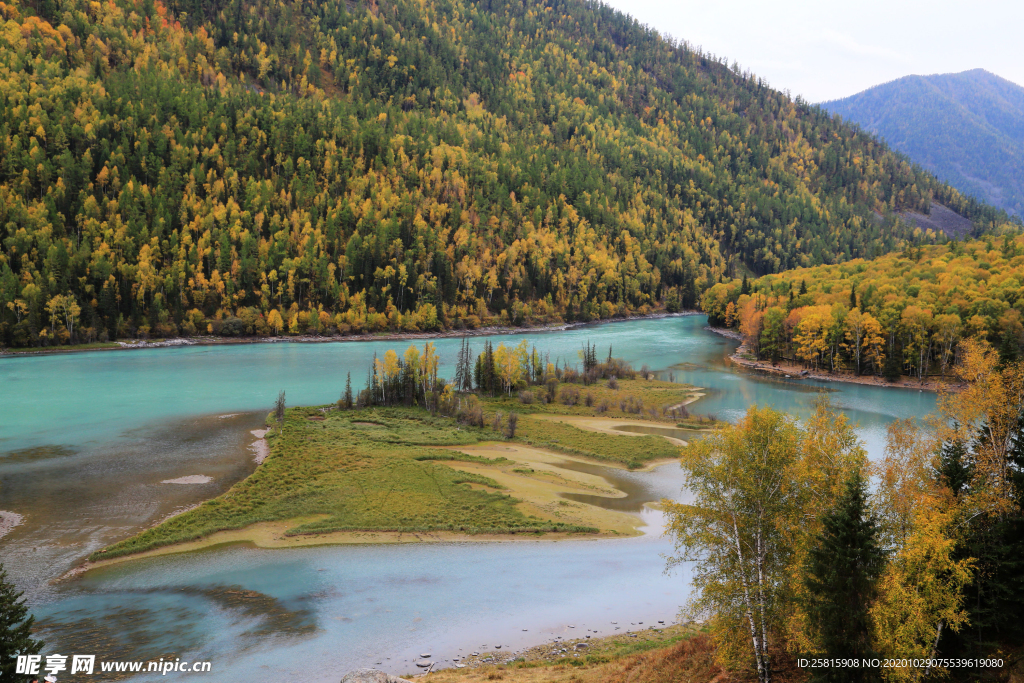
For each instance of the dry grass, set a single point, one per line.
(691, 660)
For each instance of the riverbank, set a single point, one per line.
(640, 653)
(274, 535)
(208, 340)
(743, 356)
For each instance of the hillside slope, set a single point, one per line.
(297, 166)
(967, 128)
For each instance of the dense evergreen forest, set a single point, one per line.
(902, 313)
(214, 166)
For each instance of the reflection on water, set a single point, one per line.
(166, 622)
(84, 467)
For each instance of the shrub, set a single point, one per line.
(570, 396)
(279, 407)
(552, 387)
(472, 416)
(526, 397)
(613, 383)
(677, 412)
(588, 400)
(602, 407)
(496, 424)
(228, 327)
(513, 422)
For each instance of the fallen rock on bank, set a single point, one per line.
(371, 676)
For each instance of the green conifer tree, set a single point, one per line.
(346, 399)
(840, 579)
(955, 467)
(15, 628)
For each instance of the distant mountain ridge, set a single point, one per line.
(967, 128)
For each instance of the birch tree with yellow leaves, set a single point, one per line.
(759, 489)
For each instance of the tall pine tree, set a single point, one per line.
(346, 398)
(840, 579)
(15, 628)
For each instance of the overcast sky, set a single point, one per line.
(826, 50)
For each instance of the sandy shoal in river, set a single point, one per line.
(608, 425)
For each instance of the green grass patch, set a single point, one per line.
(459, 456)
(631, 451)
(354, 475)
(92, 346)
(631, 394)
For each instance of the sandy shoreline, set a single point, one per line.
(796, 371)
(260, 446)
(129, 345)
(271, 535)
(9, 520)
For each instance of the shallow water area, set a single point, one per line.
(87, 439)
(686, 435)
(641, 488)
(75, 501)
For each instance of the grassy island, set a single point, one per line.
(374, 473)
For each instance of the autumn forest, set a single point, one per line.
(217, 167)
(903, 313)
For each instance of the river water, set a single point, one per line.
(86, 441)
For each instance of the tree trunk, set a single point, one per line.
(762, 675)
(935, 648)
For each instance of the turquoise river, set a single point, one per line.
(87, 441)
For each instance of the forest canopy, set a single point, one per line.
(902, 313)
(267, 167)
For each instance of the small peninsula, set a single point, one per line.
(396, 474)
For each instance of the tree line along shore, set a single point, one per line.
(899, 315)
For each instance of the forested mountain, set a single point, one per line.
(331, 166)
(967, 128)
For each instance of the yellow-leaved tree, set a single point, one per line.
(758, 491)
(920, 596)
(986, 412)
(64, 308)
(920, 592)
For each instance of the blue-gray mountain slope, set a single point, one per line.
(967, 128)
